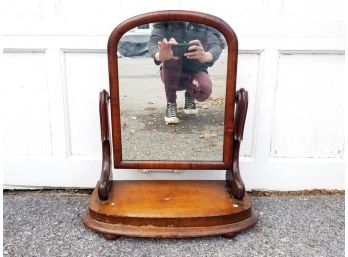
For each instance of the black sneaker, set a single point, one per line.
(190, 105)
(171, 117)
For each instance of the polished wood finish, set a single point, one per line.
(233, 178)
(167, 232)
(169, 209)
(105, 181)
(232, 45)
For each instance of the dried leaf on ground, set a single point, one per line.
(216, 100)
(208, 135)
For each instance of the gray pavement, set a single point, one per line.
(48, 223)
(145, 136)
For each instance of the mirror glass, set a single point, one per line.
(172, 82)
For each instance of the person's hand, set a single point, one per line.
(165, 50)
(196, 51)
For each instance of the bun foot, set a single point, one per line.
(110, 236)
(229, 235)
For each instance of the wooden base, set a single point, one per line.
(170, 209)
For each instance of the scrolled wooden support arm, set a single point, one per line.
(233, 178)
(240, 113)
(105, 181)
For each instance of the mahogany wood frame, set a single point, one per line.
(232, 44)
(234, 121)
(119, 208)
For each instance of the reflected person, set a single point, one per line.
(188, 71)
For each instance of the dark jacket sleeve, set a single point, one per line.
(158, 34)
(214, 44)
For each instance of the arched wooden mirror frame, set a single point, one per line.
(108, 213)
(232, 44)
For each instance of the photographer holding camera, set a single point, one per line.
(185, 65)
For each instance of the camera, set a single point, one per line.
(180, 48)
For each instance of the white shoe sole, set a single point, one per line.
(172, 120)
(190, 111)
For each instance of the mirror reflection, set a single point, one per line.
(172, 80)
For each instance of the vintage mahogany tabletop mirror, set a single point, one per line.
(134, 135)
